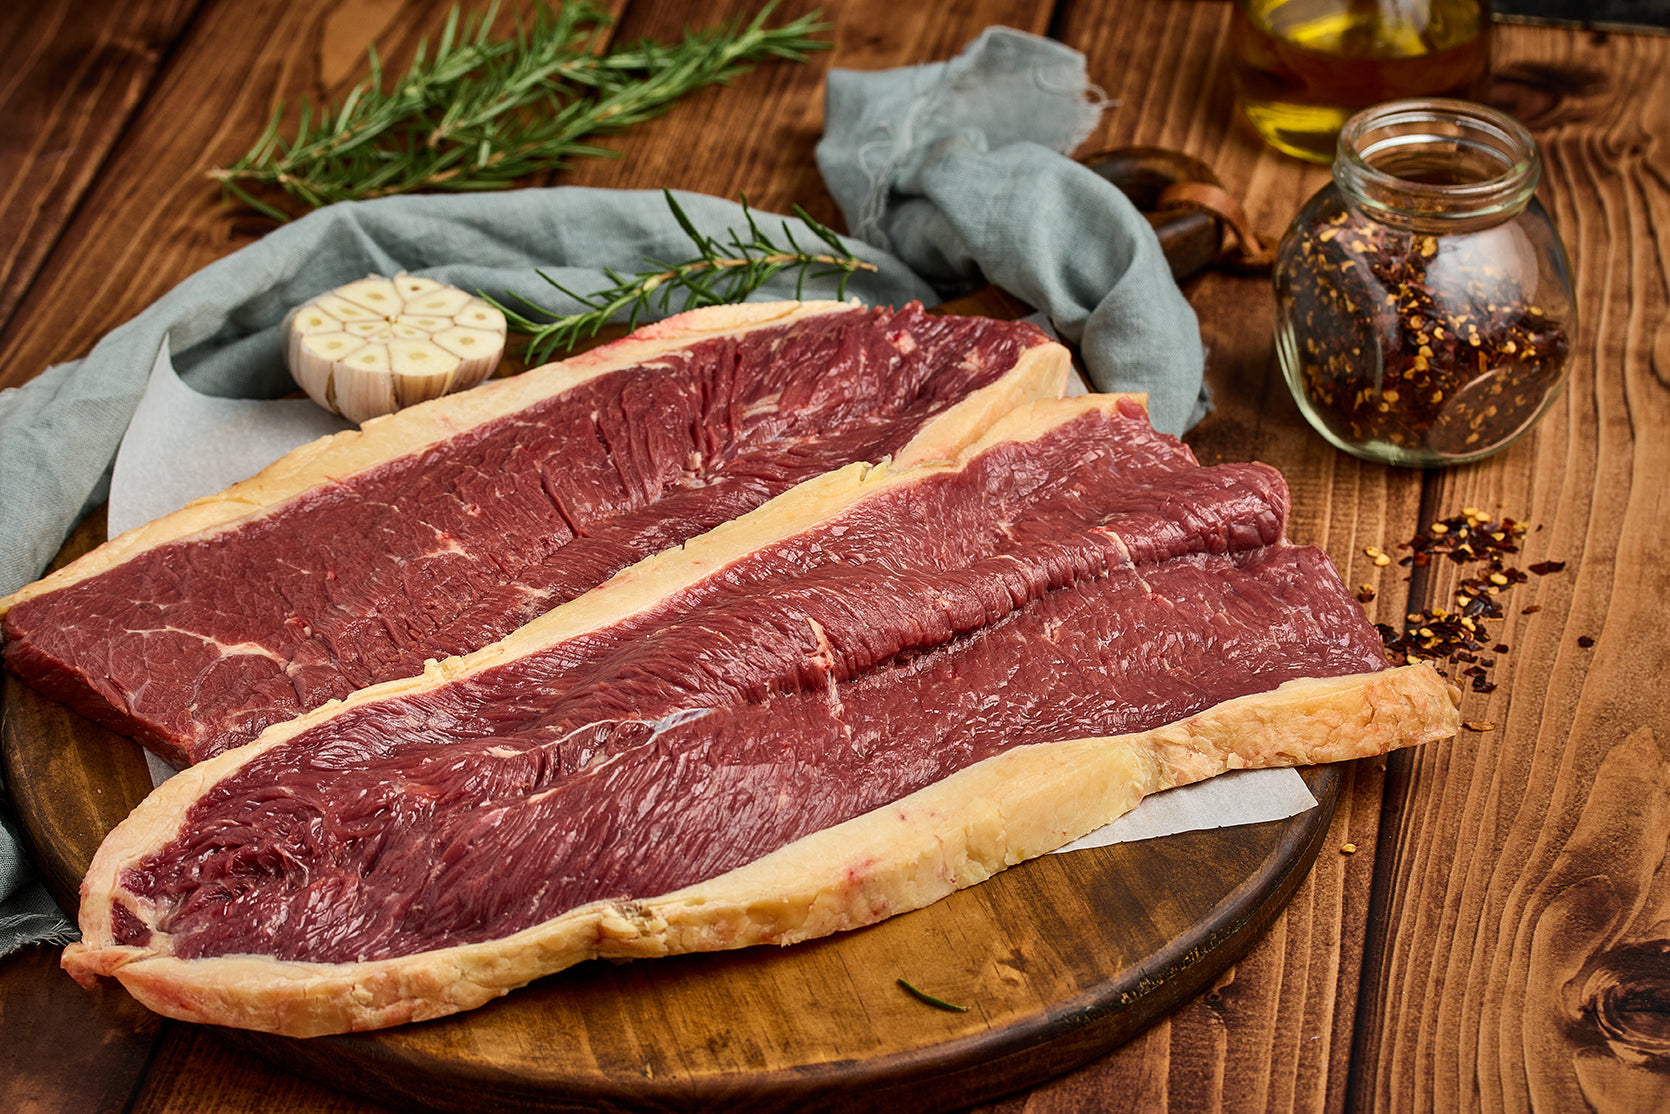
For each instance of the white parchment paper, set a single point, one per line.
(182, 445)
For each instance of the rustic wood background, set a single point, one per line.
(1496, 942)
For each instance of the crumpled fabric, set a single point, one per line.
(28, 915)
(948, 174)
(960, 169)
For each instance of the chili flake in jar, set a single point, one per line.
(1424, 306)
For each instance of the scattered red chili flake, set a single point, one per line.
(1365, 593)
(1585, 641)
(1478, 725)
(1457, 637)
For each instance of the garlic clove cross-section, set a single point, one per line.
(377, 344)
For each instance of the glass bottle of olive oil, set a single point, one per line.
(1303, 67)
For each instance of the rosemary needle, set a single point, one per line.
(938, 1003)
(482, 112)
(724, 270)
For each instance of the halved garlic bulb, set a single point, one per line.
(379, 344)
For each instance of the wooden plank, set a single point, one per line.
(74, 76)
(1275, 1031)
(767, 152)
(1529, 893)
(152, 217)
(68, 1049)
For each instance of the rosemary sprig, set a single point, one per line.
(482, 112)
(724, 270)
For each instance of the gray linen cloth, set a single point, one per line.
(946, 173)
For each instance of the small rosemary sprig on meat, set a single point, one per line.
(726, 270)
(483, 112)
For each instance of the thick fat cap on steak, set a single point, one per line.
(1086, 580)
(453, 539)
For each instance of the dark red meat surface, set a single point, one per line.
(1094, 582)
(194, 647)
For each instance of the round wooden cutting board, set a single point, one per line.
(1057, 960)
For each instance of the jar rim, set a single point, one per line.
(1490, 138)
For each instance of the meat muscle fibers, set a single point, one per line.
(880, 686)
(437, 530)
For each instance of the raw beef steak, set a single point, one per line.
(442, 528)
(660, 765)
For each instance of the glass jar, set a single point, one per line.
(1424, 310)
(1302, 67)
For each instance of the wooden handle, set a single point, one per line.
(1185, 204)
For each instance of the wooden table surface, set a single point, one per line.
(1498, 939)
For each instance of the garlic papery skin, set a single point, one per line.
(378, 345)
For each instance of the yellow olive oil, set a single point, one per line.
(1304, 67)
